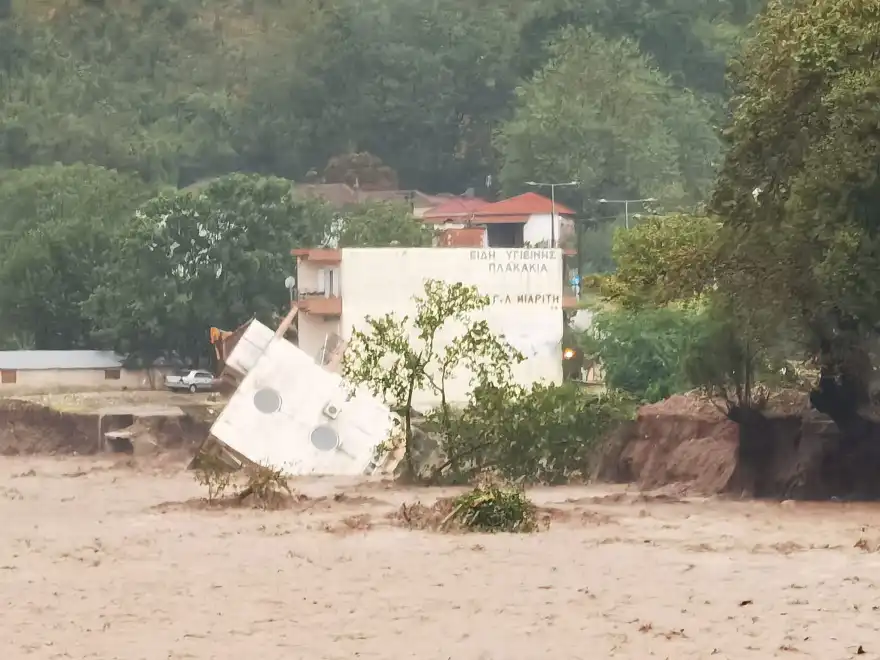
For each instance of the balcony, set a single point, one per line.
(319, 304)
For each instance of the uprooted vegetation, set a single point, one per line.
(489, 507)
(492, 506)
(263, 487)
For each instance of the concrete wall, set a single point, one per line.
(280, 435)
(59, 380)
(460, 236)
(537, 231)
(312, 329)
(525, 286)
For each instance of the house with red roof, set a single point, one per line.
(529, 219)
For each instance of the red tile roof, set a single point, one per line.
(518, 209)
(457, 208)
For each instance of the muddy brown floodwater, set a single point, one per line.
(102, 560)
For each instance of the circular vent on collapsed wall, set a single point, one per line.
(267, 400)
(324, 438)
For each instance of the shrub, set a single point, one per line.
(214, 474)
(546, 434)
(644, 352)
(495, 508)
(266, 487)
(491, 506)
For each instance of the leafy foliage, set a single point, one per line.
(380, 224)
(215, 475)
(139, 88)
(690, 40)
(799, 187)
(57, 226)
(491, 507)
(266, 487)
(729, 362)
(600, 113)
(361, 170)
(181, 90)
(200, 258)
(680, 326)
(542, 434)
(397, 358)
(644, 353)
(665, 259)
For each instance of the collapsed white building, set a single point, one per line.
(291, 414)
(291, 409)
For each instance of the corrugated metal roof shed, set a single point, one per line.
(38, 360)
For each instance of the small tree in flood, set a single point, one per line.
(397, 357)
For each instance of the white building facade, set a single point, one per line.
(525, 286)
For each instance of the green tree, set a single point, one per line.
(678, 326)
(799, 187)
(358, 78)
(689, 39)
(138, 87)
(397, 357)
(57, 226)
(665, 259)
(600, 113)
(539, 434)
(379, 224)
(361, 170)
(215, 256)
(644, 352)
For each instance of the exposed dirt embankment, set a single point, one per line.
(689, 443)
(28, 428)
(681, 441)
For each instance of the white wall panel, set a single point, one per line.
(282, 438)
(524, 285)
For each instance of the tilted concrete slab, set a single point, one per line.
(291, 414)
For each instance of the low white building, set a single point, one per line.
(33, 372)
(339, 289)
(529, 219)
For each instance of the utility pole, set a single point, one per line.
(552, 187)
(626, 203)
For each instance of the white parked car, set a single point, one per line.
(190, 379)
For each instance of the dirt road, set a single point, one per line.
(92, 566)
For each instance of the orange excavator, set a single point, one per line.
(223, 342)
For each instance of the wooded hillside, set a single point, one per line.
(445, 92)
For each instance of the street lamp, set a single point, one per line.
(626, 203)
(553, 187)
